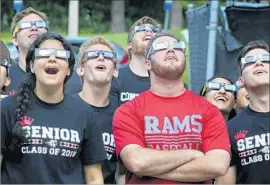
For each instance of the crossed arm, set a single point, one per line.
(178, 165)
(229, 178)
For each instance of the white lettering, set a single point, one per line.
(195, 122)
(36, 131)
(151, 123)
(167, 128)
(241, 145)
(74, 136)
(126, 96)
(47, 132)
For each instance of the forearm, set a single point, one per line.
(93, 174)
(198, 170)
(149, 162)
(229, 178)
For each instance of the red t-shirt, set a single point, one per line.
(169, 123)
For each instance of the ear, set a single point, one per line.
(129, 46)
(241, 82)
(115, 72)
(69, 73)
(80, 71)
(14, 41)
(7, 82)
(147, 64)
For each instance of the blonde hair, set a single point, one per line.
(19, 16)
(91, 42)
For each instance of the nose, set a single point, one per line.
(101, 57)
(52, 58)
(258, 62)
(222, 90)
(148, 31)
(170, 49)
(33, 27)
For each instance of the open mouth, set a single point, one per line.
(247, 97)
(51, 70)
(259, 72)
(100, 67)
(147, 38)
(221, 98)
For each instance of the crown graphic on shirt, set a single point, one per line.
(26, 121)
(241, 134)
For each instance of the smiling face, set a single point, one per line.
(256, 74)
(25, 37)
(221, 98)
(50, 71)
(97, 70)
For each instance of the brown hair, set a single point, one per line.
(90, 42)
(257, 44)
(19, 16)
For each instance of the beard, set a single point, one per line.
(170, 72)
(139, 48)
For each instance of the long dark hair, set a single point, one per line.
(28, 84)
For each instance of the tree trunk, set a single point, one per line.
(118, 16)
(177, 15)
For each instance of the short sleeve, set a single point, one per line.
(215, 133)
(93, 150)
(127, 127)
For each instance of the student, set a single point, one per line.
(97, 66)
(249, 130)
(221, 92)
(26, 26)
(47, 137)
(134, 79)
(169, 135)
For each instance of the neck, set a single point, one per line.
(226, 116)
(167, 88)
(49, 94)
(22, 62)
(137, 65)
(97, 96)
(259, 99)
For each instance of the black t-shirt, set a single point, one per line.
(128, 85)
(17, 75)
(62, 138)
(250, 142)
(104, 115)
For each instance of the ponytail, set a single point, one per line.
(23, 104)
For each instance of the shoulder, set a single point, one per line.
(198, 101)
(8, 103)
(136, 104)
(77, 104)
(238, 120)
(123, 73)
